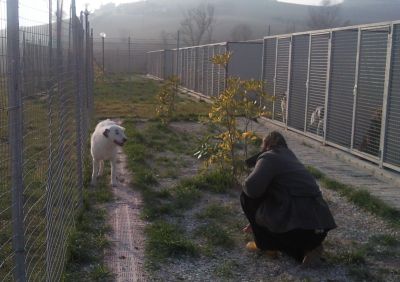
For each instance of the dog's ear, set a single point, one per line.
(123, 128)
(105, 133)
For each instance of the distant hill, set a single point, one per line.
(146, 20)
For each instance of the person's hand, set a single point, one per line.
(247, 229)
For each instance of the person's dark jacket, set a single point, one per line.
(291, 196)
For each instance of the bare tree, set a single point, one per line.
(241, 32)
(164, 39)
(325, 16)
(197, 25)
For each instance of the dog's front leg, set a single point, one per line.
(113, 172)
(95, 171)
(101, 168)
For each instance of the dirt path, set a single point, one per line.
(126, 256)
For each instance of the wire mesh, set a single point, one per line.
(281, 87)
(317, 83)
(50, 109)
(298, 81)
(269, 65)
(342, 79)
(6, 250)
(371, 78)
(392, 141)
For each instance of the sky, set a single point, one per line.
(35, 12)
(310, 2)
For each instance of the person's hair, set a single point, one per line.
(273, 140)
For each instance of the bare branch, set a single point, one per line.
(197, 25)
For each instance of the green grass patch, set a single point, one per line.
(215, 235)
(167, 240)
(226, 269)
(88, 240)
(216, 181)
(136, 97)
(214, 212)
(360, 197)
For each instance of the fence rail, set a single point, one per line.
(339, 86)
(46, 105)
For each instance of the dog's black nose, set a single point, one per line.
(124, 139)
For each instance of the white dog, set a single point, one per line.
(103, 146)
(317, 118)
(283, 109)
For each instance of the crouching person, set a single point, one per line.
(284, 205)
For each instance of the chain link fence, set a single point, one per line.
(339, 86)
(46, 105)
(125, 55)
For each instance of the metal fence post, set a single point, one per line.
(288, 83)
(129, 54)
(15, 137)
(78, 113)
(327, 86)
(386, 95)
(276, 66)
(307, 82)
(355, 89)
(177, 54)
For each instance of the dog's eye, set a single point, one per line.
(116, 132)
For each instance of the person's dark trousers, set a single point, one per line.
(294, 243)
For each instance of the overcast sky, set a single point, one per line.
(35, 12)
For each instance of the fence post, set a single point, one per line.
(177, 55)
(355, 89)
(275, 70)
(78, 114)
(327, 84)
(15, 137)
(87, 62)
(288, 83)
(386, 95)
(129, 54)
(308, 82)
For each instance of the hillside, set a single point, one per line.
(148, 18)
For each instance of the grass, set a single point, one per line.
(214, 212)
(227, 269)
(136, 97)
(166, 240)
(360, 197)
(215, 235)
(88, 240)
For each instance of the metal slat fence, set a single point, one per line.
(46, 105)
(339, 86)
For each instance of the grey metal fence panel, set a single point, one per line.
(269, 63)
(246, 61)
(199, 69)
(210, 54)
(215, 72)
(168, 63)
(189, 67)
(222, 72)
(282, 69)
(317, 82)
(340, 104)
(298, 82)
(392, 142)
(369, 97)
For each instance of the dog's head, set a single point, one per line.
(115, 134)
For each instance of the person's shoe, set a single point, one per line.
(251, 246)
(313, 258)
